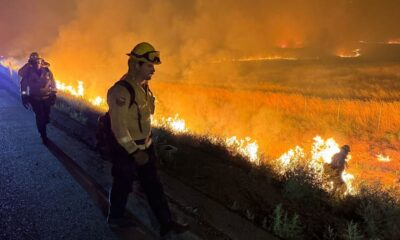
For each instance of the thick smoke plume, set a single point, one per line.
(86, 40)
(27, 26)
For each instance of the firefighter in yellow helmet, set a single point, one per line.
(131, 103)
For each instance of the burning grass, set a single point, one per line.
(256, 191)
(286, 196)
(279, 122)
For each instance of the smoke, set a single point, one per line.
(27, 26)
(87, 40)
(193, 36)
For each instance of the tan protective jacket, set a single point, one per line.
(125, 119)
(37, 84)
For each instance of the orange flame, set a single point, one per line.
(10, 63)
(174, 124)
(382, 158)
(346, 54)
(394, 41)
(322, 152)
(255, 59)
(245, 147)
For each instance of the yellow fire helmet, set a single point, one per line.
(145, 52)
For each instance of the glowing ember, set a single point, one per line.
(291, 44)
(382, 158)
(354, 54)
(255, 59)
(98, 101)
(252, 59)
(394, 41)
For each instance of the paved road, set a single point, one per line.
(38, 197)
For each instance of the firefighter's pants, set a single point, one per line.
(42, 113)
(124, 172)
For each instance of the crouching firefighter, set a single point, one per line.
(131, 103)
(38, 91)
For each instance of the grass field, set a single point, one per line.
(281, 105)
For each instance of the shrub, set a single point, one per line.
(301, 187)
(285, 227)
(380, 213)
(329, 234)
(352, 232)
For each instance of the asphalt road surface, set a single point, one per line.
(39, 199)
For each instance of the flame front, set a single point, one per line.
(353, 54)
(289, 160)
(322, 152)
(394, 41)
(75, 91)
(246, 147)
(174, 124)
(348, 179)
(382, 158)
(79, 91)
(258, 59)
(270, 58)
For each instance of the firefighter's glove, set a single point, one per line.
(25, 101)
(140, 157)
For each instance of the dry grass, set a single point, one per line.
(357, 109)
(284, 104)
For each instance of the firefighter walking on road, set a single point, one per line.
(131, 104)
(38, 91)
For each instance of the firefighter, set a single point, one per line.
(23, 73)
(130, 108)
(336, 168)
(38, 91)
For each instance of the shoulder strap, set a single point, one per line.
(130, 89)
